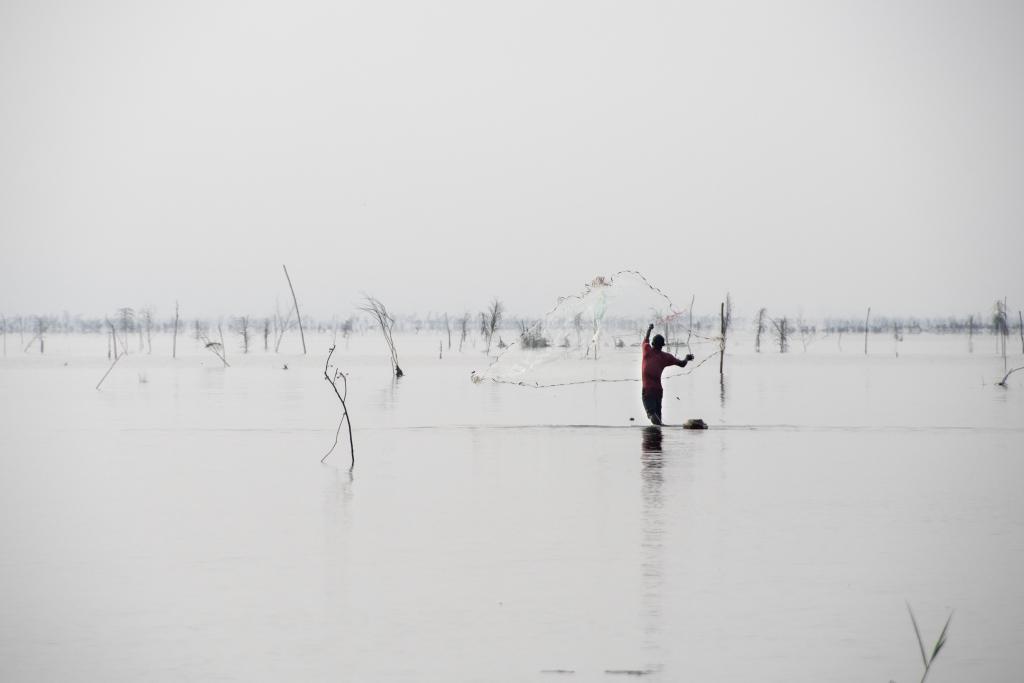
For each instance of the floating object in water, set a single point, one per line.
(695, 423)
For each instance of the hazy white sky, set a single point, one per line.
(812, 157)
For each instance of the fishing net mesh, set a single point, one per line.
(594, 336)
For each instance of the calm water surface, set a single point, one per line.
(183, 528)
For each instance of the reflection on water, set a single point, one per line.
(651, 440)
(652, 550)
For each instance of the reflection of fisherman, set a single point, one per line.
(654, 361)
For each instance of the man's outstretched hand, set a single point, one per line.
(650, 327)
(689, 357)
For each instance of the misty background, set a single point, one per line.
(801, 155)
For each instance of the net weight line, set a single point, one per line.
(537, 385)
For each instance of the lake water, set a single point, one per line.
(178, 524)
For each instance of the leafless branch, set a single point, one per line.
(342, 395)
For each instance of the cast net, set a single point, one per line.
(595, 336)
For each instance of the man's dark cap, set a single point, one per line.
(658, 341)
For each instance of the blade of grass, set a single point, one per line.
(917, 632)
(942, 637)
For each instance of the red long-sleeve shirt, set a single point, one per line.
(654, 361)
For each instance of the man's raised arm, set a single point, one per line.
(647, 337)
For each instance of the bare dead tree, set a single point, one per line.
(463, 329)
(332, 375)
(970, 334)
(346, 329)
(721, 340)
(223, 348)
(760, 330)
(807, 333)
(174, 340)
(689, 325)
(577, 326)
(448, 327)
(298, 315)
(41, 328)
(379, 312)
(147, 325)
(1001, 328)
(197, 330)
(243, 327)
(266, 334)
(781, 332)
(216, 348)
(867, 327)
(493, 319)
(126, 319)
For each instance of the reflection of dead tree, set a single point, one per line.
(492, 320)
(377, 310)
(332, 379)
(298, 316)
(216, 348)
(760, 330)
(781, 333)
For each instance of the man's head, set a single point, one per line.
(658, 341)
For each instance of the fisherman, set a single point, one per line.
(654, 361)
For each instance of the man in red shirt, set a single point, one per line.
(654, 361)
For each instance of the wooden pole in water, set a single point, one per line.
(297, 314)
(867, 320)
